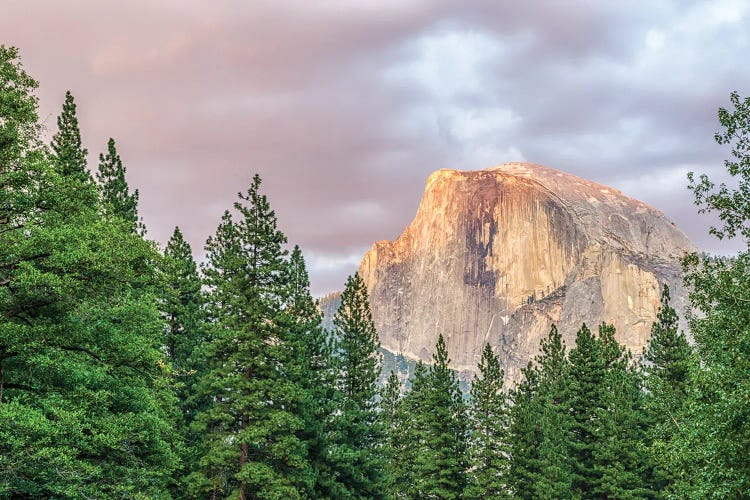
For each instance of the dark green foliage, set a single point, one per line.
(85, 406)
(540, 433)
(608, 421)
(251, 431)
(407, 437)
(390, 397)
(313, 370)
(115, 192)
(69, 156)
(431, 431)
(181, 306)
(182, 301)
(488, 419)
(356, 426)
(667, 365)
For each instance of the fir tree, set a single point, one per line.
(115, 192)
(488, 417)
(69, 156)
(181, 305)
(251, 431)
(608, 421)
(625, 471)
(313, 370)
(438, 417)
(182, 301)
(390, 398)
(408, 437)
(357, 427)
(667, 364)
(541, 425)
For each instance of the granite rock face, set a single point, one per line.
(498, 255)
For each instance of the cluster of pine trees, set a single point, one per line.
(130, 372)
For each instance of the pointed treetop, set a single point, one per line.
(69, 155)
(177, 246)
(440, 357)
(115, 191)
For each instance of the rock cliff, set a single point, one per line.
(498, 255)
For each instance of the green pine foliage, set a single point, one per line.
(85, 405)
(407, 438)
(313, 369)
(431, 434)
(183, 315)
(389, 405)
(182, 301)
(251, 432)
(540, 433)
(667, 365)
(356, 427)
(488, 420)
(68, 154)
(115, 192)
(608, 421)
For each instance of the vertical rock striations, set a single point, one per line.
(498, 255)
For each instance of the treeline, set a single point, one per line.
(130, 372)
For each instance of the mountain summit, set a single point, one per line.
(498, 255)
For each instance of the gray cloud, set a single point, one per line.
(345, 107)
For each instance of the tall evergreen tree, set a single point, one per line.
(407, 437)
(357, 426)
(436, 413)
(488, 444)
(251, 431)
(182, 301)
(625, 470)
(541, 425)
(85, 409)
(181, 306)
(313, 369)
(607, 419)
(69, 156)
(115, 192)
(390, 398)
(667, 365)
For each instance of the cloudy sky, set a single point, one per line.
(344, 107)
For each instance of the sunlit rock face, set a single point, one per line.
(499, 255)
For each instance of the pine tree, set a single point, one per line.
(667, 364)
(588, 370)
(85, 409)
(251, 431)
(390, 398)
(115, 192)
(313, 370)
(608, 422)
(488, 444)
(357, 426)
(625, 471)
(439, 464)
(541, 425)
(69, 156)
(182, 301)
(181, 306)
(408, 437)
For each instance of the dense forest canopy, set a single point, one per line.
(127, 371)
